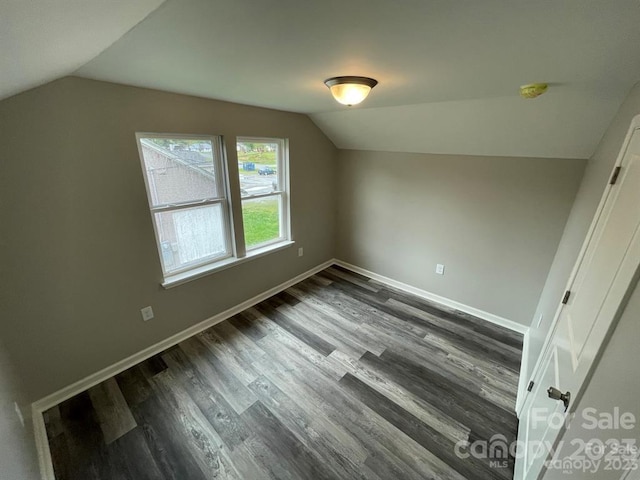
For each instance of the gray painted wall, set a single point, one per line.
(595, 179)
(614, 384)
(78, 252)
(495, 222)
(18, 458)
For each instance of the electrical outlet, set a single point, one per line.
(19, 412)
(147, 313)
(300, 252)
(440, 269)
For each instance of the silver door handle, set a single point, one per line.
(556, 394)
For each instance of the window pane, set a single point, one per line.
(191, 235)
(258, 167)
(179, 170)
(261, 218)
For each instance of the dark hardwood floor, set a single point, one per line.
(338, 377)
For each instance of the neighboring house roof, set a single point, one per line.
(193, 160)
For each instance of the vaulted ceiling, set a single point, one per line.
(449, 70)
(42, 40)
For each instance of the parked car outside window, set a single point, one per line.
(266, 170)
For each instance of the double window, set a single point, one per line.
(188, 185)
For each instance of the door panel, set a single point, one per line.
(604, 273)
(607, 255)
(534, 428)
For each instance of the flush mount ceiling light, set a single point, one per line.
(350, 90)
(533, 90)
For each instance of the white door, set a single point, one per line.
(601, 279)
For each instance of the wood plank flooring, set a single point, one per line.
(338, 377)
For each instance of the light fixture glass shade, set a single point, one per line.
(350, 90)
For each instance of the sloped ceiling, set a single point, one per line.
(41, 40)
(564, 123)
(449, 70)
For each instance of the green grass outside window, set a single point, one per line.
(261, 220)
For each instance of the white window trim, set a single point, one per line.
(203, 271)
(221, 188)
(234, 242)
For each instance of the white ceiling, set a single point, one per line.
(564, 123)
(47, 39)
(448, 69)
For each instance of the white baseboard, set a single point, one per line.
(40, 406)
(490, 317)
(523, 379)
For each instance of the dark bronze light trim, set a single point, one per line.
(370, 82)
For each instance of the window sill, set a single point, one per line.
(199, 272)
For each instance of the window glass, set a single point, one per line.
(258, 167)
(261, 171)
(261, 218)
(179, 170)
(190, 235)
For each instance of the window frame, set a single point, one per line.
(221, 182)
(234, 235)
(282, 172)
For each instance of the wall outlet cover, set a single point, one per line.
(147, 313)
(440, 269)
